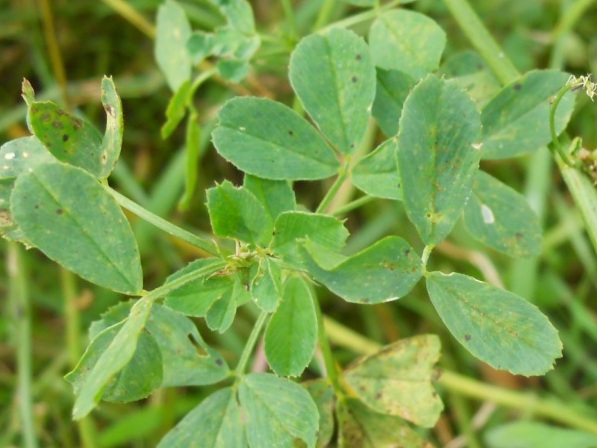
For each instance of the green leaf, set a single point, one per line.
(21, 155)
(385, 271)
(291, 334)
(377, 173)
(112, 140)
(200, 45)
(221, 314)
(398, 380)
(362, 427)
(177, 109)
(112, 360)
(292, 228)
(69, 216)
(267, 139)
(528, 434)
(323, 395)
(236, 213)
(188, 360)
(516, 120)
(501, 218)
(137, 379)
(233, 70)
(438, 156)
(276, 196)
(278, 411)
(239, 15)
(406, 41)
(68, 138)
(392, 89)
(496, 326)
(334, 78)
(216, 423)
(266, 286)
(8, 228)
(172, 32)
(196, 297)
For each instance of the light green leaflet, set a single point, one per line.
(68, 215)
(221, 314)
(516, 122)
(496, 326)
(266, 285)
(22, 154)
(172, 32)
(291, 334)
(236, 213)
(377, 173)
(276, 196)
(112, 140)
(398, 380)
(385, 271)
(277, 411)
(177, 109)
(360, 426)
(323, 395)
(501, 218)
(406, 41)
(112, 360)
(529, 434)
(267, 139)
(438, 155)
(216, 423)
(333, 76)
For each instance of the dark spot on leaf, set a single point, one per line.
(517, 86)
(407, 252)
(378, 396)
(519, 235)
(428, 215)
(358, 57)
(479, 66)
(109, 110)
(45, 117)
(434, 394)
(219, 362)
(364, 301)
(467, 337)
(58, 124)
(290, 133)
(354, 79)
(60, 112)
(78, 124)
(65, 138)
(59, 211)
(352, 145)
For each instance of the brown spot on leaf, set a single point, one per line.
(354, 79)
(467, 337)
(358, 57)
(65, 138)
(517, 86)
(59, 211)
(519, 235)
(290, 133)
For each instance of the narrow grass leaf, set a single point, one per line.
(236, 213)
(187, 359)
(438, 155)
(406, 41)
(267, 139)
(360, 426)
(496, 326)
(22, 155)
(112, 360)
(398, 380)
(68, 138)
(501, 218)
(392, 89)
(516, 120)
(216, 423)
(112, 140)
(333, 76)
(278, 412)
(172, 32)
(385, 271)
(291, 334)
(69, 216)
(529, 434)
(377, 173)
(177, 109)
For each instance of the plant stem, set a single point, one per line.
(482, 40)
(342, 175)
(18, 278)
(529, 403)
(161, 223)
(131, 15)
(324, 14)
(250, 345)
(352, 205)
(290, 18)
(362, 17)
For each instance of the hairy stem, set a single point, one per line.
(250, 345)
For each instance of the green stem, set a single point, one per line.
(324, 14)
(528, 403)
(572, 14)
(250, 345)
(329, 196)
(552, 126)
(362, 17)
(161, 223)
(326, 351)
(352, 205)
(131, 15)
(18, 279)
(426, 253)
(482, 40)
(290, 18)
